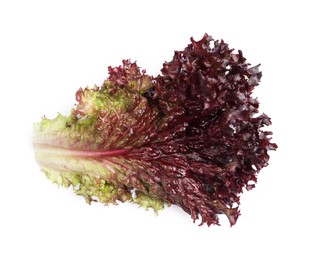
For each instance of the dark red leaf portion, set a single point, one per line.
(210, 144)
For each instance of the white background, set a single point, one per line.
(48, 49)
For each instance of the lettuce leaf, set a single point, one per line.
(190, 136)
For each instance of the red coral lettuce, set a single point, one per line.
(190, 137)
